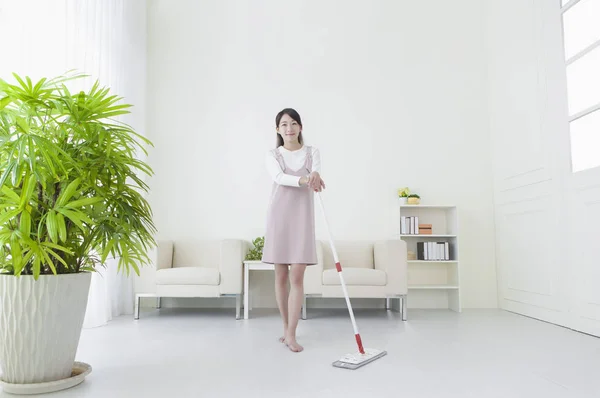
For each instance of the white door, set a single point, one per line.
(582, 82)
(545, 126)
(529, 175)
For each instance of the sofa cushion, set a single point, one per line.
(352, 254)
(356, 276)
(188, 276)
(197, 253)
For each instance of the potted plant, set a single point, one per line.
(413, 199)
(255, 254)
(71, 195)
(403, 195)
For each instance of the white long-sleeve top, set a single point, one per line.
(294, 160)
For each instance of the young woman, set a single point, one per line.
(290, 235)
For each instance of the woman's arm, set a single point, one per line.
(279, 176)
(316, 160)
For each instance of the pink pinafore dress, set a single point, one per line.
(290, 232)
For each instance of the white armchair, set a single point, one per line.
(371, 269)
(198, 268)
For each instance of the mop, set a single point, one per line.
(362, 357)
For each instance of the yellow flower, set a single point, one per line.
(403, 192)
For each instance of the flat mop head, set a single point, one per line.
(356, 360)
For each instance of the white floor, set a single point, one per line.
(479, 353)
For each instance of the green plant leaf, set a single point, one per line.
(48, 261)
(7, 171)
(25, 222)
(4, 102)
(22, 123)
(28, 191)
(107, 250)
(52, 226)
(56, 247)
(15, 252)
(77, 217)
(82, 202)
(37, 265)
(68, 193)
(11, 194)
(62, 229)
(8, 216)
(56, 256)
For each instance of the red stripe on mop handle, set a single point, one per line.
(359, 342)
(338, 266)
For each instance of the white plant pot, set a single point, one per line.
(40, 326)
(402, 200)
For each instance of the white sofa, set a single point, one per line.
(371, 269)
(198, 268)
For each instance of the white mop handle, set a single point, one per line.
(339, 269)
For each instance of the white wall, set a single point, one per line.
(393, 93)
(546, 216)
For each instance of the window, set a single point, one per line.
(581, 33)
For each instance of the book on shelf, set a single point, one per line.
(433, 251)
(409, 225)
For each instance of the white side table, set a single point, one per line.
(259, 266)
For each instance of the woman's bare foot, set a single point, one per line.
(282, 338)
(293, 345)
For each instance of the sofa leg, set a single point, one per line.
(158, 302)
(136, 309)
(238, 305)
(388, 303)
(304, 307)
(403, 307)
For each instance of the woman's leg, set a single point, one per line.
(281, 294)
(295, 304)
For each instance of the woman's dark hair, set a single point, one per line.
(294, 115)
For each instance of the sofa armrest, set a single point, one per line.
(313, 277)
(164, 254)
(233, 252)
(391, 257)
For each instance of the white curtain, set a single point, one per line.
(111, 294)
(106, 40)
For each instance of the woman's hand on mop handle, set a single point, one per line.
(314, 181)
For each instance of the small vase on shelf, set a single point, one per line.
(403, 200)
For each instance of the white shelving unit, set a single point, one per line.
(434, 277)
